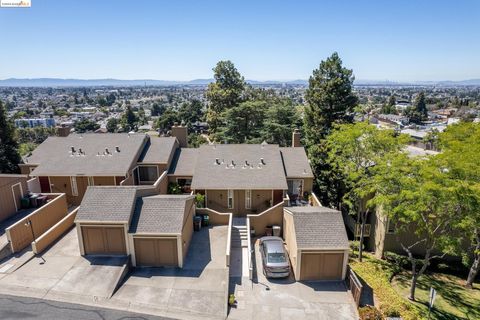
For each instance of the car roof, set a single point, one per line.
(273, 244)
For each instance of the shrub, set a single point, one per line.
(174, 188)
(369, 313)
(200, 200)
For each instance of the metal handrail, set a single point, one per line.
(250, 251)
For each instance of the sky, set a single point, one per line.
(396, 40)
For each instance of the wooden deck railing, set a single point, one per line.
(354, 285)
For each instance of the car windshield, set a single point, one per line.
(276, 257)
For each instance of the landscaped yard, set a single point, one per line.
(453, 300)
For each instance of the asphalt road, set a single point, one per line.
(29, 308)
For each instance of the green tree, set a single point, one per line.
(191, 112)
(418, 112)
(330, 100)
(128, 119)
(421, 200)
(157, 109)
(280, 120)
(460, 147)
(353, 150)
(244, 123)
(167, 120)
(112, 125)
(86, 125)
(226, 92)
(9, 156)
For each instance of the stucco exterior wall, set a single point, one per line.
(41, 219)
(8, 203)
(290, 240)
(273, 216)
(187, 230)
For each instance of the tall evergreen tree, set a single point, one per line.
(225, 93)
(9, 156)
(418, 112)
(330, 100)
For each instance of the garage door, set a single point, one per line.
(321, 266)
(156, 252)
(104, 240)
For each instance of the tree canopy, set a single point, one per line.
(9, 156)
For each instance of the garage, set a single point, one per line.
(321, 265)
(156, 252)
(317, 243)
(104, 240)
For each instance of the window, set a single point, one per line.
(185, 184)
(295, 187)
(390, 226)
(248, 199)
(90, 181)
(148, 173)
(230, 199)
(73, 183)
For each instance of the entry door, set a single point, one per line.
(44, 184)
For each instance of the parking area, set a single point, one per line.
(287, 299)
(199, 290)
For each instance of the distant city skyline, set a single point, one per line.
(400, 41)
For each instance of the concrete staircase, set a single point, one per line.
(239, 233)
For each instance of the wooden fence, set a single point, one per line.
(23, 232)
(354, 285)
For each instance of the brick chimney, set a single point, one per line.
(296, 138)
(180, 132)
(63, 131)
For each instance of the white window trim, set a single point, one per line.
(73, 184)
(248, 199)
(13, 194)
(91, 181)
(230, 196)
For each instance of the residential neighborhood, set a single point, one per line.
(239, 160)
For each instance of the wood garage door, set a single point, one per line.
(321, 266)
(104, 240)
(156, 252)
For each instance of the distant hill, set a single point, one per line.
(57, 82)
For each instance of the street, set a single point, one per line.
(12, 307)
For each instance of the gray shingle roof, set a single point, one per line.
(183, 163)
(209, 175)
(158, 150)
(296, 163)
(319, 228)
(159, 214)
(54, 155)
(107, 204)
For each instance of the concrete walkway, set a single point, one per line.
(198, 291)
(62, 274)
(279, 299)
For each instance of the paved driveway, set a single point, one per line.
(199, 290)
(287, 299)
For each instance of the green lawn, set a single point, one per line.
(453, 300)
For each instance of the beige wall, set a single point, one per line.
(7, 199)
(216, 218)
(273, 216)
(25, 168)
(290, 240)
(187, 230)
(218, 201)
(103, 181)
(42, 219)
(51, 235)
(307, 185)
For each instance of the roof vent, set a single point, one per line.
(262, 161)
(106, 151)
(246, 163)
(73, 149)
(233, 163)
(217, 161)
(304, 171)
(117, 148)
